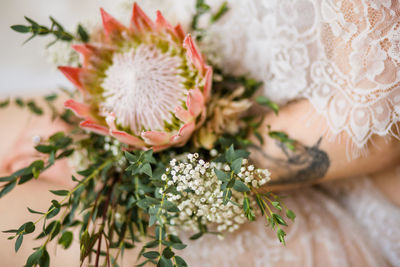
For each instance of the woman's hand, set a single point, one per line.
(316, 157)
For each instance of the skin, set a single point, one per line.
(316, 156)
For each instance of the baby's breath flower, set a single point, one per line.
(61, 53)
(200, 195)
(36, 140)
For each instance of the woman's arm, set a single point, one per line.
(16, 142)
(316, 158)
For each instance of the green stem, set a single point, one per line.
(158, 213)
(90, 177)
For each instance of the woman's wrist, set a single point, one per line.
(315, 158)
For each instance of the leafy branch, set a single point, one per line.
(55, 29)
(230, 181)
(203, 8)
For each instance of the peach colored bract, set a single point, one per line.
(146, 84)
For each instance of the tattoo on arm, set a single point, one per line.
(304, 164)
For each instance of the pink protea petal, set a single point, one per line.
(183, 114)
(85, 50)
(159, 148)
(129, 139)
(184, 134)
(161, 22)
(208, 82)
(140, 20)
(80, 110)
(193, 53)
(195, 102)
(154, 138)
(122, 136)
(72, 74)
(94, 127)
(110, 24)
(180, 32)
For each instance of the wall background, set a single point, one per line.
(24, 70)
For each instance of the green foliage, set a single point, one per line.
(4, 103)
(120, 199)
(38, 110)
(221, 11)
(35, 257)
(290, 214)
(35, 29)
(283, 138)
(203, 8)
(34, 108)
(264, 101)
(103, 191)
(82, 33)
(66, 239)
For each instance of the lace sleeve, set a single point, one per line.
(342, 55)
(355, 82)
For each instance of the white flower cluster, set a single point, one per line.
(62, 54)
(200, 195)
(114, 146)
(80, 159)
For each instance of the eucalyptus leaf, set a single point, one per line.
(18, 242)
(276, 204)
(196, 236)
(83, 35)
(278, 218)
(263, 100)
(290, 214)
(151, 254)
(44, 259)
(180, 262)
(168, 253)
(236, 165)
(240, 186)
(4, 103)
(60, 192)
(7, 179)
(179, 246)
(281, 235)
(7, 188)
(230, 154)
(29, 227)
(66, 239)
(221, 11)
(34, 108)
(221, 175)
(146, 169)
(34, 211)
(169, 206)
(21, 28)
(163, 262)
(34, 258)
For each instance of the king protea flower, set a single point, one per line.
(145, 84)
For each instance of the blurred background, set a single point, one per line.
(24, 69)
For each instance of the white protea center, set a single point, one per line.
(142, 88)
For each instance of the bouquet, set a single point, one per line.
(159, 140)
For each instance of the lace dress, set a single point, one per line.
(344, 57)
